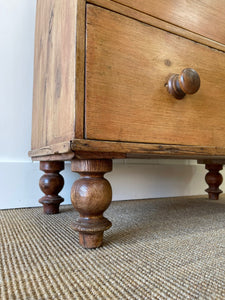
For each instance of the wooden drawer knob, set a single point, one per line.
(188, 82)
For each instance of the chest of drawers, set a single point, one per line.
(123, 79)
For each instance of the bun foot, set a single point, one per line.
(91, 195)
(51, 183)
(214, 180)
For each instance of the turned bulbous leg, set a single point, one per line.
(91, 195)
(51, 183)
(214, 180)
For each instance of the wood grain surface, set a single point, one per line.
(204, 17)
(128, 65)
(156, 22)
(56, 71)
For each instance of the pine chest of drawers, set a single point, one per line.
(123, 79)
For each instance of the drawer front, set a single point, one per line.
(127, 66)
(205, 17)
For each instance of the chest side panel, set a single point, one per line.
(54, 73)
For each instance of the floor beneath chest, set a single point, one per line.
(170, 248)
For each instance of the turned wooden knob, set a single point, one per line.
(188, 82)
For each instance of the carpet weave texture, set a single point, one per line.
(170, 248)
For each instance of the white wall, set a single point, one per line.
(18, 175)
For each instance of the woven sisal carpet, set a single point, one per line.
(156, 249)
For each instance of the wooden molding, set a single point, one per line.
(60, 148)
(140, 150)
(87, 149)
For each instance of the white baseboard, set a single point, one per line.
(129, 179)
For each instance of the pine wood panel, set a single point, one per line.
(204, 17)
(151, 20)
(127, 66)
(56, 71)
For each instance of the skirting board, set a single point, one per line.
(129, 180)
